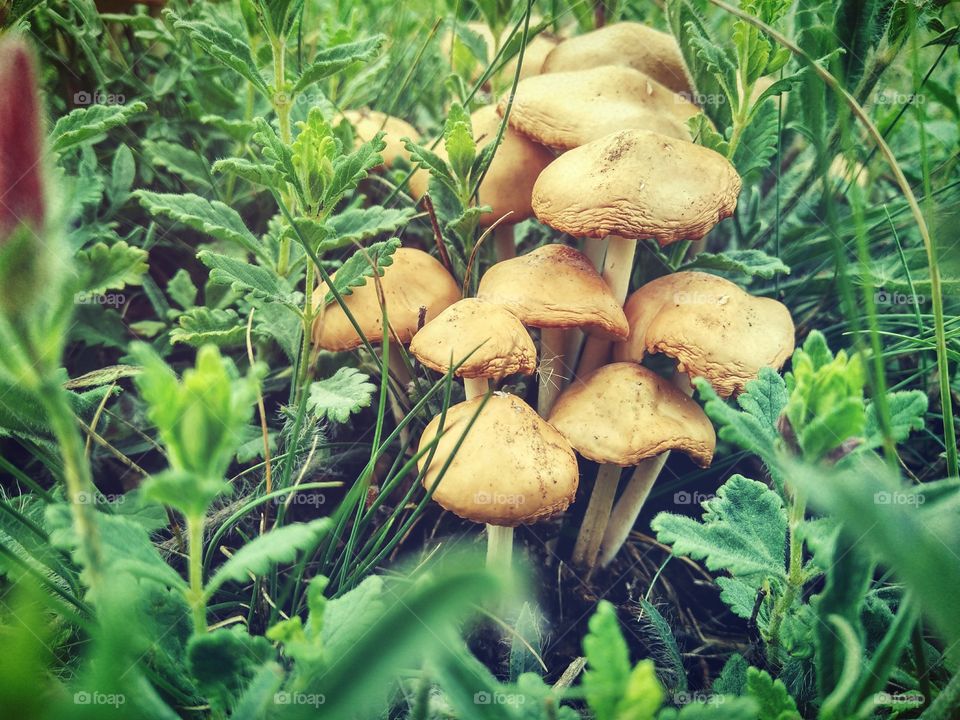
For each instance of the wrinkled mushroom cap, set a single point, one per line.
(637, 184)
(627, 43)
(508, 185)
(710, 326)
(512, 468)
(555, 286)
(414, 280)
(568, 109)
(367, 123)
(495, 341)
(624, 413)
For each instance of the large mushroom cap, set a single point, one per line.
(555, 286)
(367, 123)
(493, 341)
(624, 413)
(415, 280)
(568, 109)
(710, 326)
(637, 184)
(508, 185)
(512, 468)
(627, 43)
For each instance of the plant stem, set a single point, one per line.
(597, 515)
(617, 269)
(795, 577)
(946, 702)
(198, 604)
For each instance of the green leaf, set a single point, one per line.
(85, 124)
(201, 326)
(112, 267)
(758, 144)
(436, 165)
(458, 142)
(226, 661)
(752, 263)
(212, 217)
(262, 554)
(180, 160)
(123, 170)
(743, 531)
(350, 617)
(253, 172)
(339, 396)
(771, 695)
(361, 265)
(350, 169)
(907, 409)
(244, 277)
(359, 224)
(181, 289)
(226, 47)
(332, 60)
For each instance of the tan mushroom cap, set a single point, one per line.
(627, 43)
(494, 339)
(415, 280)
(367, 123)
(555, 286)
(623, 413)
(568, 109)
(637, 184)
(710, 326)
(512, 468)
(508, 185)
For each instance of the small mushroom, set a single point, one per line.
(554, 288)
(625, 415)
(711, 327)
(627, 43)
(511, 467)
(367, 123)
(567, 109)
(485, 339)
(632, 185)
(508, 185)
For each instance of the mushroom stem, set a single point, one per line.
(628, 507)
(634, 496)
(597, 515)
(553, 373)
(499, 547)
(475, 387)
(398, 369)
(594, 249)
(504, 242)
(617, 266)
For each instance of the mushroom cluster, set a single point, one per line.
(594, 145)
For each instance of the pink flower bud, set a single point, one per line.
(21, 166)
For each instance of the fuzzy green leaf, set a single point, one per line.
(752, 263)
(253, 172)
(361, 265)
(181, 289)
(350, 169)
(359, 224)
(85, 124)
(332, 60)
(771, 696)
(180, 160)
(244, 277)
(346, 392)
(228, 48)
(202, 326)
(907, 408)
(112, 267)
(225, 661)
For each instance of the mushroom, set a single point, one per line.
(554, 288)
(415, 282)
(632, 185)
(627, 43)
(507, 186)
(621, 415)
(714, 330)
(367, 123)
(567, 109)
(485, 339)
(508, 468)
(538, 48)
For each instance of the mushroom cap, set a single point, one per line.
(710, 326)
(555, 286)
(508, 185)
(415, 280)
(623, 413)
(567, 109)
(631, 44)
(512, 468)
(496, 342)
(534, 55)
(637, 184)
(367, 123)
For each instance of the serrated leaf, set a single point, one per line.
(253, 172)
(244, 277)
(346, 392)
(752, 263)
(123, 169)
(743, 532)
(201, 325)
(239, 130)
(350, 169)
(226, 47)
(332, 60)
(225, 662)
(361, 265)
(433, 163)
(86, 123)
(907, 409)
(212, 217)
(112, 267)
(771, 696)
(179, 160)
(262, 554)
(359, 224)
(349, 617)
(758, 144)
(181, 289)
